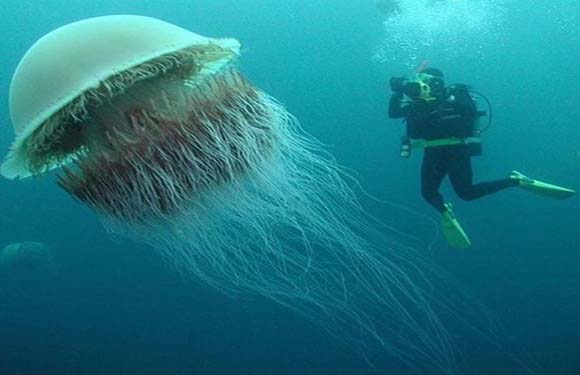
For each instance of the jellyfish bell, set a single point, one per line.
(70, 65)
(26, 255)
(152, 127)
(387, 7)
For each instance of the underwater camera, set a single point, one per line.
(414, 89)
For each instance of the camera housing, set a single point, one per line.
(414, 89)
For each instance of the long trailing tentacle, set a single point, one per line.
(231, 191)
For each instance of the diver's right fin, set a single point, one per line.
(452, 230)
(541, 188)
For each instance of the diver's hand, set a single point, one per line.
(397, 84)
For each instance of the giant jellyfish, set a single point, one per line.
(154, 128)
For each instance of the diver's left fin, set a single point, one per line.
(452, 230)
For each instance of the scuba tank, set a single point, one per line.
(456, 88)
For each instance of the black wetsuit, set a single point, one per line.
(453, 115)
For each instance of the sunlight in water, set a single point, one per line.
(421, 28)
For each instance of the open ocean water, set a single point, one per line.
(112, 307)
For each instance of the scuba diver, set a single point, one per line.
(444, 122)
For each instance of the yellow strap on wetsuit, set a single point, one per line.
(427, 143)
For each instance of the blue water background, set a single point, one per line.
(114, 308)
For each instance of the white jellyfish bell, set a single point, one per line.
(153, 127)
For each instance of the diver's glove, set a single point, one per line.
(397, 84)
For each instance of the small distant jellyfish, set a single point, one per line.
(387, 7)
(154, 128)
(391, 7)
(27, 256)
